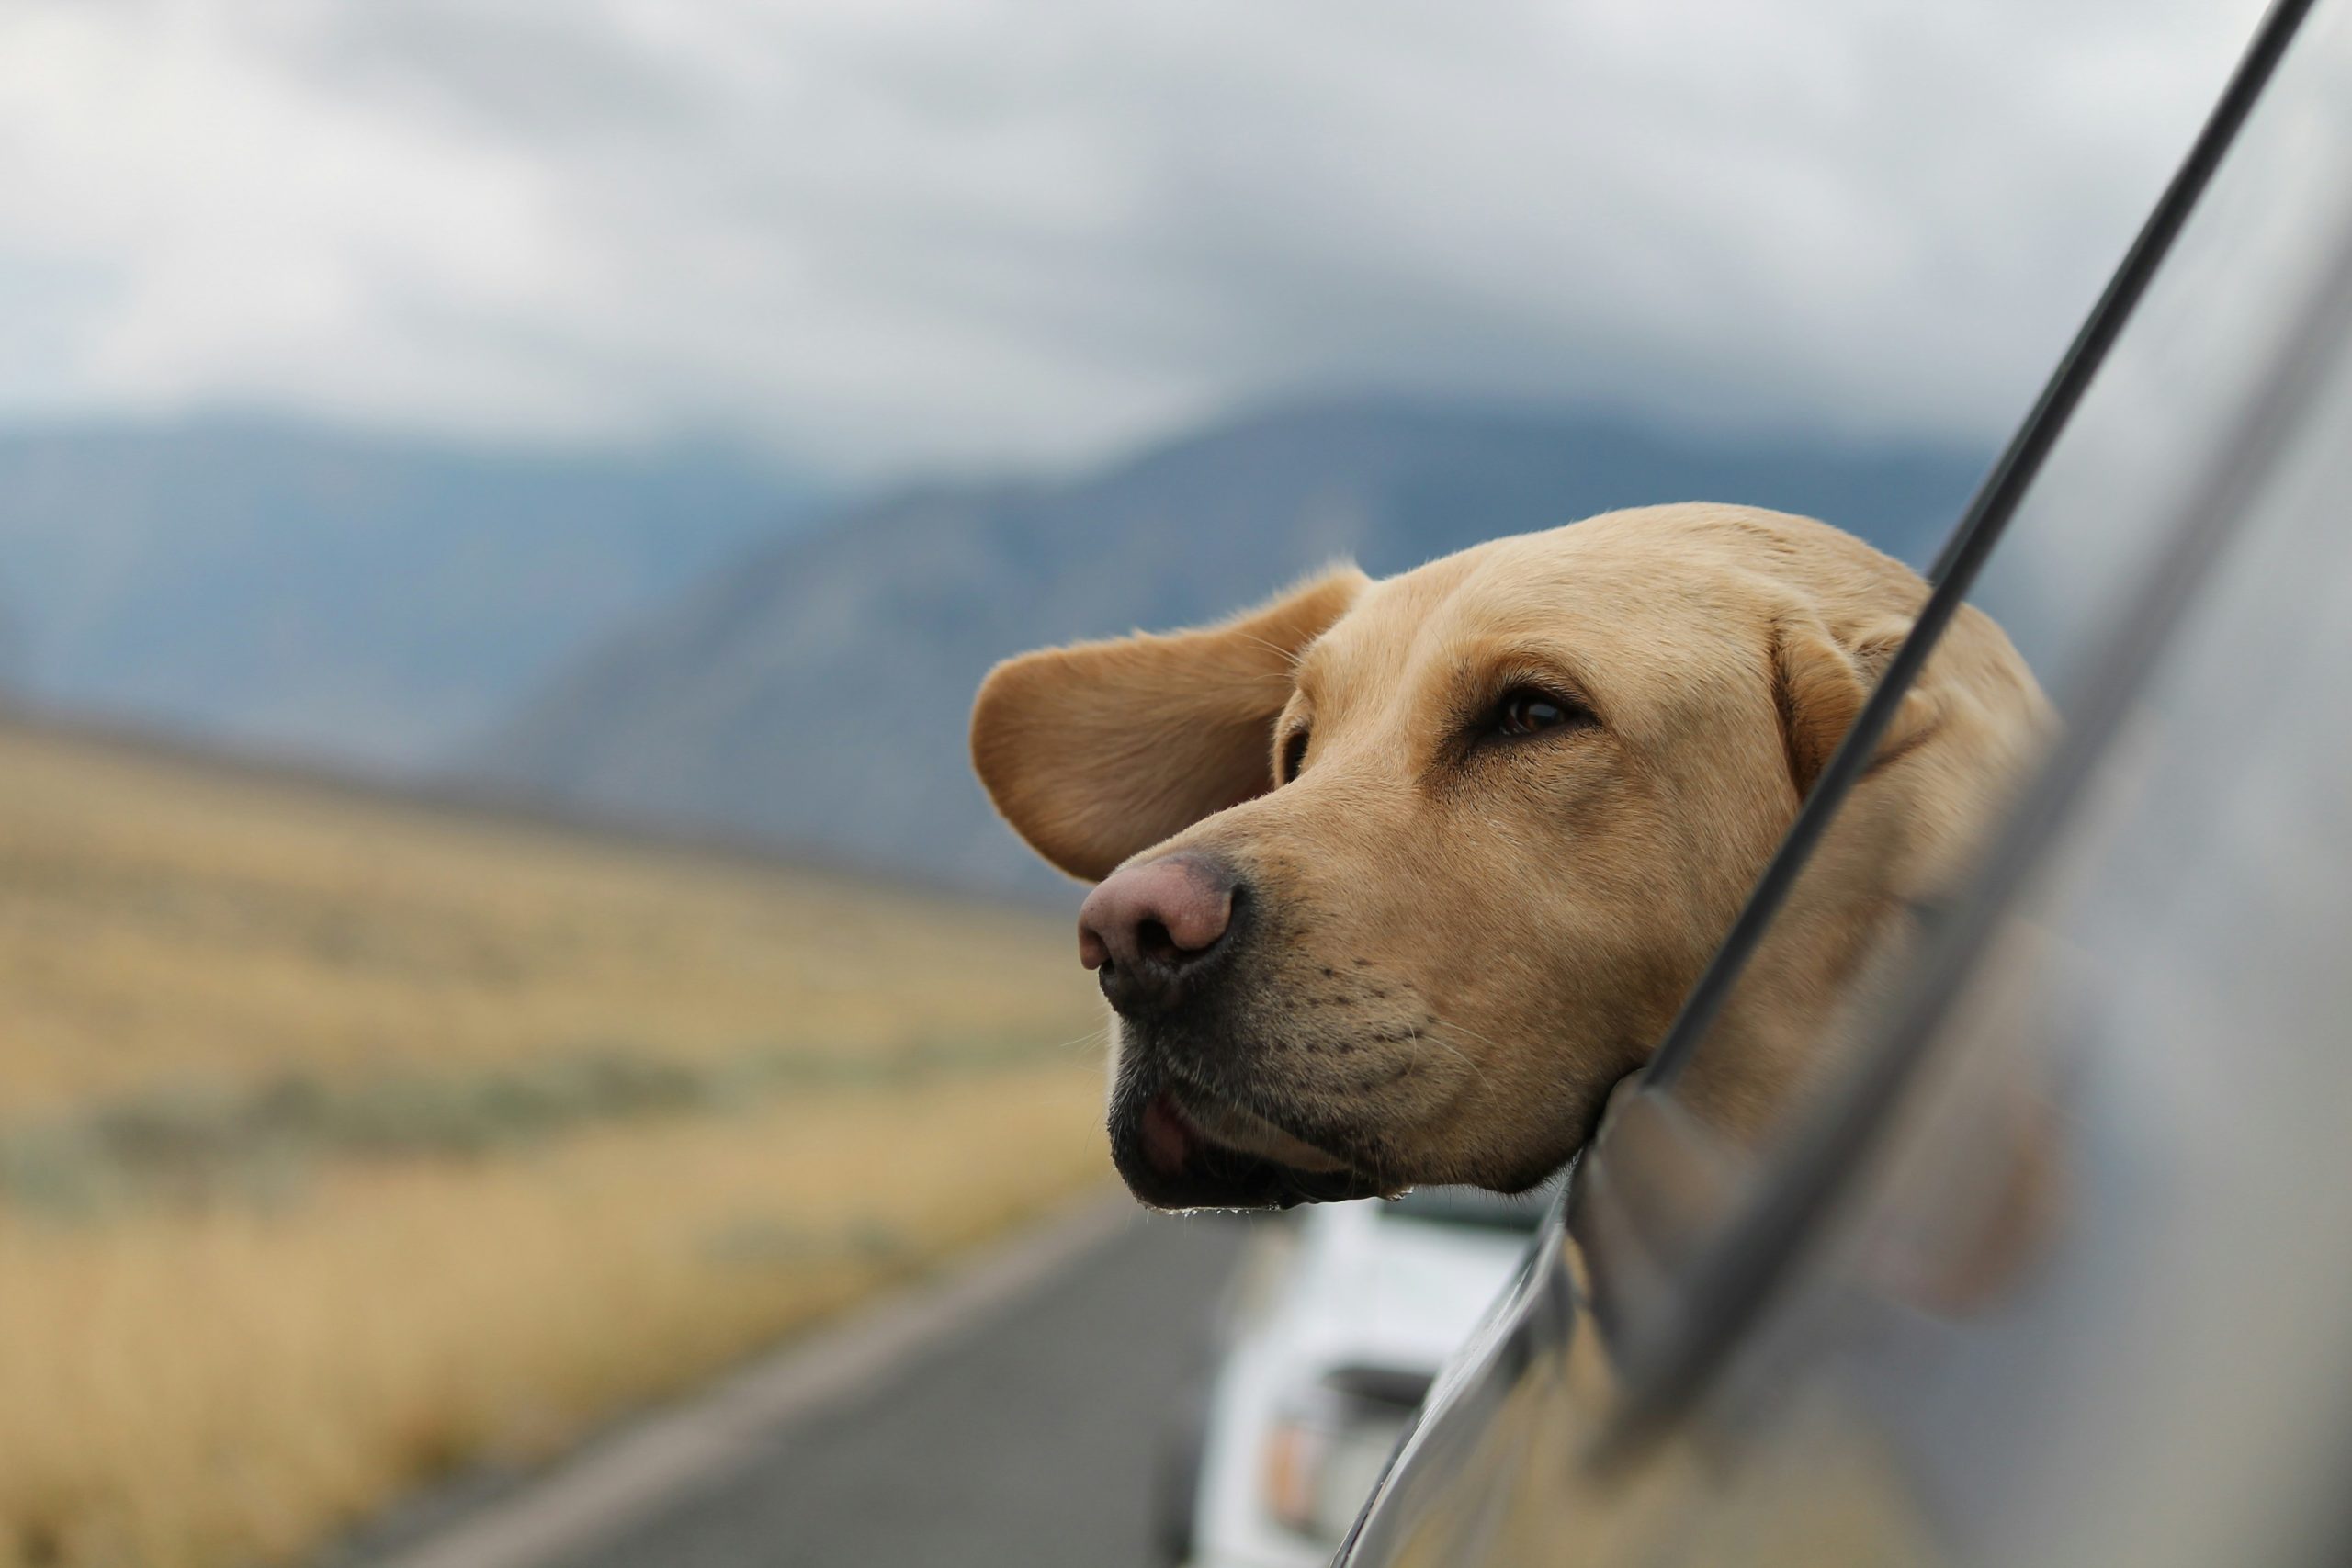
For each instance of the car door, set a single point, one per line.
(2052, 1265)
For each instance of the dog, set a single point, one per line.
(1397, 879)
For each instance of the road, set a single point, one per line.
(1024, 1433)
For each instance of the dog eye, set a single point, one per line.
(1294, 756)
(1526, 711)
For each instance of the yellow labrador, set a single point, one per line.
(1397, 878)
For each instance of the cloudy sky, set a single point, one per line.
(882, 234)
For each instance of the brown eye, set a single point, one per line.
(1294, 756)
(1527, 711)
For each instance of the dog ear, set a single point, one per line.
(1099, 750)
(1819, 683)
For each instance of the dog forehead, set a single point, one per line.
(1594, 583)
(1371, 646)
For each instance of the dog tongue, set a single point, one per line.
(1167, 1140)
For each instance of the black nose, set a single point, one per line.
(1151, 930)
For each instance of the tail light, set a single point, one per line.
(1330, 1442)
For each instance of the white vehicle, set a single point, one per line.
(1338, 1319)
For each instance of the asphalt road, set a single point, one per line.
(1027, 1439)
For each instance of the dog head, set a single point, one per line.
(1397, 878)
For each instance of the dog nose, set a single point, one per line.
(1148, 927)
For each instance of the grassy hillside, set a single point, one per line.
(344, 1141)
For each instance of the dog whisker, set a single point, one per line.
(1289, 656)
(1434, 1037)
(1099, 1035)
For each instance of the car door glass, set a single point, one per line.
(2149, 422)
(1516, 1459)
(2096, 1179)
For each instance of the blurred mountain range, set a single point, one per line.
(338, 597)
(814, 693)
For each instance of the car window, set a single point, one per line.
(2239, 304)
(2055, 559)
(2120, 1040)
(2078, 1259)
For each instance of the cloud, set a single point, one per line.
(892, 232)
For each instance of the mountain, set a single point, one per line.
(815, 694)
(337, 597)
(12, 646)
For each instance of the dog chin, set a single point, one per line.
(1178, 1148)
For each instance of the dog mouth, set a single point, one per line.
(1178, 1148)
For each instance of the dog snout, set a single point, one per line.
(1150, 931)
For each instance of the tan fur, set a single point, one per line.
(1463, 944)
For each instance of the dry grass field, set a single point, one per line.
(344, 1142)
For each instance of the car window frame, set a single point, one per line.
(1663, 1375)
(1973, 540)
